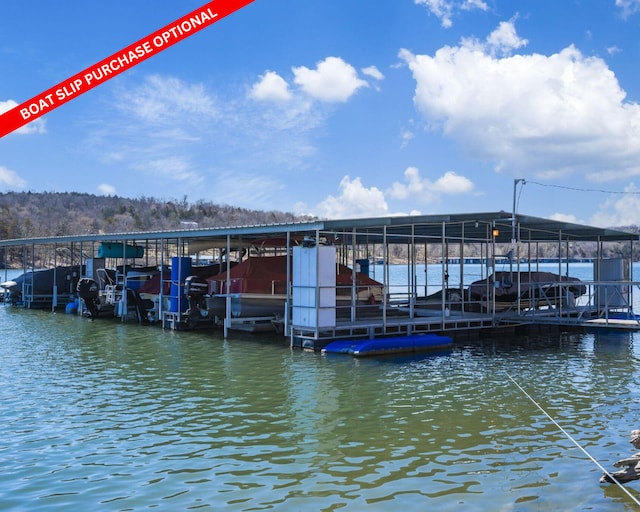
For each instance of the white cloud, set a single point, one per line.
(35, 126)
(173, 168)
(176, 148)
(505, 39)
(564, 217)
(5, 106)
(107, 190)
(406, 136)
(262, 189)
(470, 5)
(163, 99)
(9, 180)
(451, 183)
(271, 87)
(445, 9)
(333, 80)
(628, 7)
(182, 134)
(354, 200)
(283, 115)
(373, 72)
(543, 115)
(425, 190)
(619, 209)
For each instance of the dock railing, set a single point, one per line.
(604, 302)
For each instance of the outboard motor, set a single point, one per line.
(88, 290)
(196, 289)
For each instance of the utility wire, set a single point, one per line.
(633, 498)
(637, 192)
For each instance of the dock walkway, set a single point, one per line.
(394, 324)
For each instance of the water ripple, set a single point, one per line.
(116, 417)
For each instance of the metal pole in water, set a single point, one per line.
(631, 496)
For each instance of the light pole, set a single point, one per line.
(513, 226)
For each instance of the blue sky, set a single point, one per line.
(338, 108)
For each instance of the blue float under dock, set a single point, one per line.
(395, 345)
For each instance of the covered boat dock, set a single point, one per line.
(350, 279)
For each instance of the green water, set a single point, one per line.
(105, 416)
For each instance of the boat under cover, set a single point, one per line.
(533, 285)
(161, 281)
(394, 345)
(268, 275)
(42, 282)
(258, 287)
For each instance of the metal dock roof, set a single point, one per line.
(466, 227)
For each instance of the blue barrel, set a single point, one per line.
(180, 270)
(71, 308)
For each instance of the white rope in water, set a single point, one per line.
(633, 498)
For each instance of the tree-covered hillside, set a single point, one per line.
(27, 214)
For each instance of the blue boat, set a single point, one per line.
(382, 346)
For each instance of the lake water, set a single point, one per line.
(109, 416)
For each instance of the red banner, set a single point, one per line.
(112, 66)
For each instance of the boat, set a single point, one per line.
(145, 291)
(393, 345)
(160, 282)
(196, 294)
(257, 287)
(452, 297)
(38, 286)
(535, 289)
(115, 292)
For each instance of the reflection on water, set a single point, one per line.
(100, 415)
